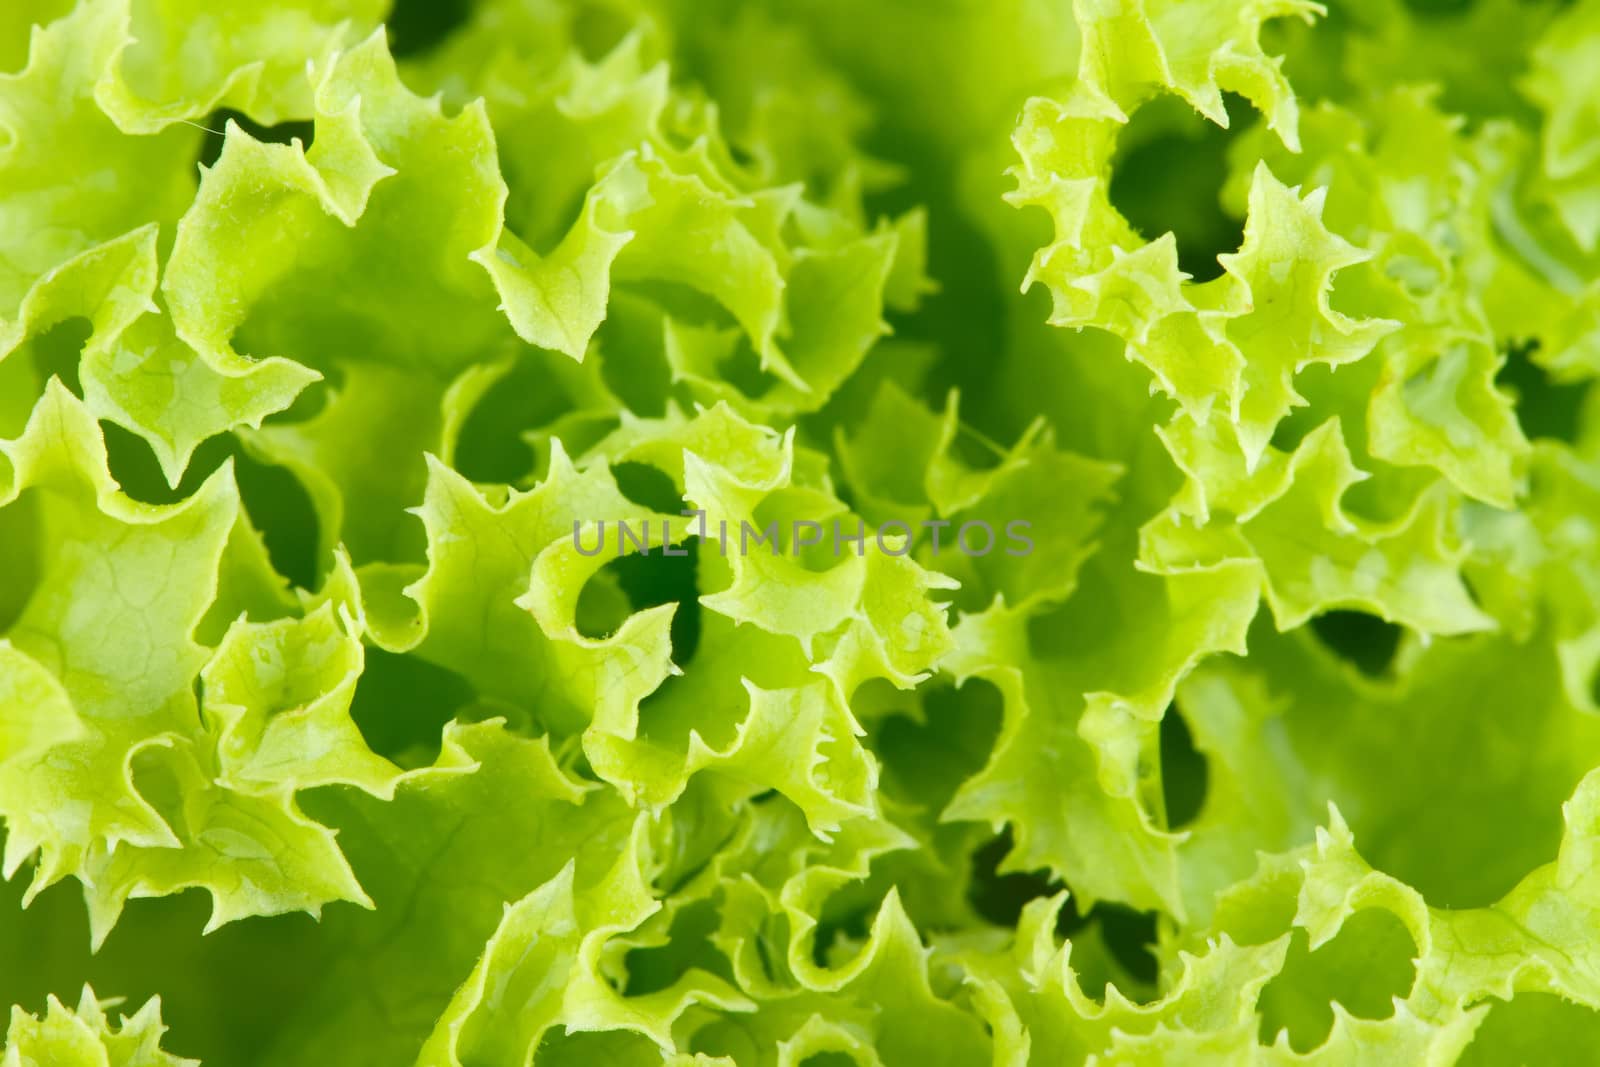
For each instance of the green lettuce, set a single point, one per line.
(389, 396)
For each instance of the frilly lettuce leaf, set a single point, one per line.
(86, 1036)
(1314, 555)
(1426, 216)
(488, 822)
(518, 992)
(170, 791)
(99, 95)
(1264, 321)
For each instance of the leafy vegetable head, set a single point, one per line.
(582, 531)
